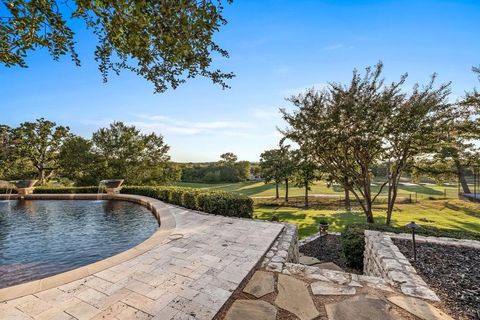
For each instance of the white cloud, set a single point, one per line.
(164, 124)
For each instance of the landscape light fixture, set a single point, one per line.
(413, 226)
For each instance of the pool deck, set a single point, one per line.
(187, 270)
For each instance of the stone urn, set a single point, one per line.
(112, 186)
(24, 187)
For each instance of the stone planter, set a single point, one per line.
(112, 186)
(24, 187)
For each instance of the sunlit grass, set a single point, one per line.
(446, 214)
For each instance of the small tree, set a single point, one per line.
(417, 126)
(271, 167)
(306, 172)
(40, 143)
(228, 158)
(124, 152)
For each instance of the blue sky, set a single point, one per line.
(276, 48)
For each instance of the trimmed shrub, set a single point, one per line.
(215, 202)
(50, 190)
(353, 238)
(352, 242)
(5, 190)
(224, 203)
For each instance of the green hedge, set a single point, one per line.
(5, 190)
(216, 202)
(50, 190)
(353, 238)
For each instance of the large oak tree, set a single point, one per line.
(164, 41)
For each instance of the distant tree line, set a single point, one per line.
(43, 150)
(49, 152)
(351, 134)
(228, 169)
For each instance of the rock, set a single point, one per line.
(335, 276)
(251, 309)
(293, 296)
(274, 266)
(328, 266)
(419, 308)
(361, 308)
(260, 284)
(419, 292)
(309, 261)
(331, 289)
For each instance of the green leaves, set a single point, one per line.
(165, 42)
(348, 129)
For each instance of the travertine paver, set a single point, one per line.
(251, 309)
(260, 284)
(190, 275)
(420, 308)
(293, 296)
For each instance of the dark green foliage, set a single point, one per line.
(50, 190)
(165, 42)
(353, 245)
(227, 204)
(228, 169)
(4, 190)
(353, 239)
(215, 202)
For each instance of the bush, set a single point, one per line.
(215, 202)
(49, 190)
(4, 190)
(352, 242)
(353, 238)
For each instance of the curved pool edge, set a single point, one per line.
(158, 208)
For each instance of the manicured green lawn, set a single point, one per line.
(260, 189)
(447, 214)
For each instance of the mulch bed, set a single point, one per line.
(452, 272)
(327, 248)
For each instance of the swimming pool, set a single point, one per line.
(40, 238)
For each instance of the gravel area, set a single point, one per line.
(452, 272)
(327, 249)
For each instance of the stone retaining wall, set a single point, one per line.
(284, 250)
(383, 259)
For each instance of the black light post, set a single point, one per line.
(413, 226)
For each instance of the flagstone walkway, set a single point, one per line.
(190, 275)
(311, 293)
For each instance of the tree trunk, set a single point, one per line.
(41, 176)
(306, 194)
(461, 176)
(368, 212)
(348, 206)
(286, 190)
(392, 197)
(276, 190)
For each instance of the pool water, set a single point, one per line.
(40, 238)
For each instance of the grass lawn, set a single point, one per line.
(446, 214)
(260, 189)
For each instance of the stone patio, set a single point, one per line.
(189, 275)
